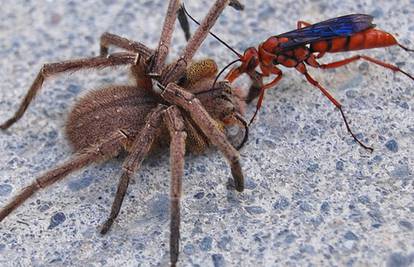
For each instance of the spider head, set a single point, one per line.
(226, 108)
(221, 102)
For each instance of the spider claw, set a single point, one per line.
(238, 178)
(106, 226)
(7, 124)
(236, 5)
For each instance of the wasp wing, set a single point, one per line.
(328, 29)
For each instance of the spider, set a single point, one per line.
(171, 104)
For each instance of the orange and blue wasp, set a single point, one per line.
(306, 44)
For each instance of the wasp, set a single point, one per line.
(310, 42)
(304, 46)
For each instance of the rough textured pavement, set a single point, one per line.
(313, 197)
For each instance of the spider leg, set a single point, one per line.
(175, 124)
(157, 61)
(108, 148)
(185, 26)
(108, 39)
(139, 149)
(52, 69)
(302, 69)
(236, 5)
(176, 95)
(176, 70)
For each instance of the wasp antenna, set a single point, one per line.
(223, 70)
(212, 34)
(406, 48)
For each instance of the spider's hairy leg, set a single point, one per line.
(139, 149)
(175, 124)
(158, 58)
(104, 150)
(49, 70)
(175, 71)
(183, 20)
(108, 39)
(176, 95)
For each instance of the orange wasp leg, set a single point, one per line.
(346, 61)
(233, 74)
(302, 69)
(405, 48)
(262, 91)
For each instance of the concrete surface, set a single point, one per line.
(313, 197)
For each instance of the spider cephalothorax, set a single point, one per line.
(184, 110)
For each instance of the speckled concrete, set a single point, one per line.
(313, 197)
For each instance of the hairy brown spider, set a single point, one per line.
(169, 104)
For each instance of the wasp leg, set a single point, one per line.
(302, 69)
(346, 61)
(263, 89)
(406, 48)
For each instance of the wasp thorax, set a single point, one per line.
(270, 44)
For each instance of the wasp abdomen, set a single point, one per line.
(370, 38)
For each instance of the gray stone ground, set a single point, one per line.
(313, 197)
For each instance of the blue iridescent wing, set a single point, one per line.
(328, 29)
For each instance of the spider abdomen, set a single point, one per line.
(100, 113)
